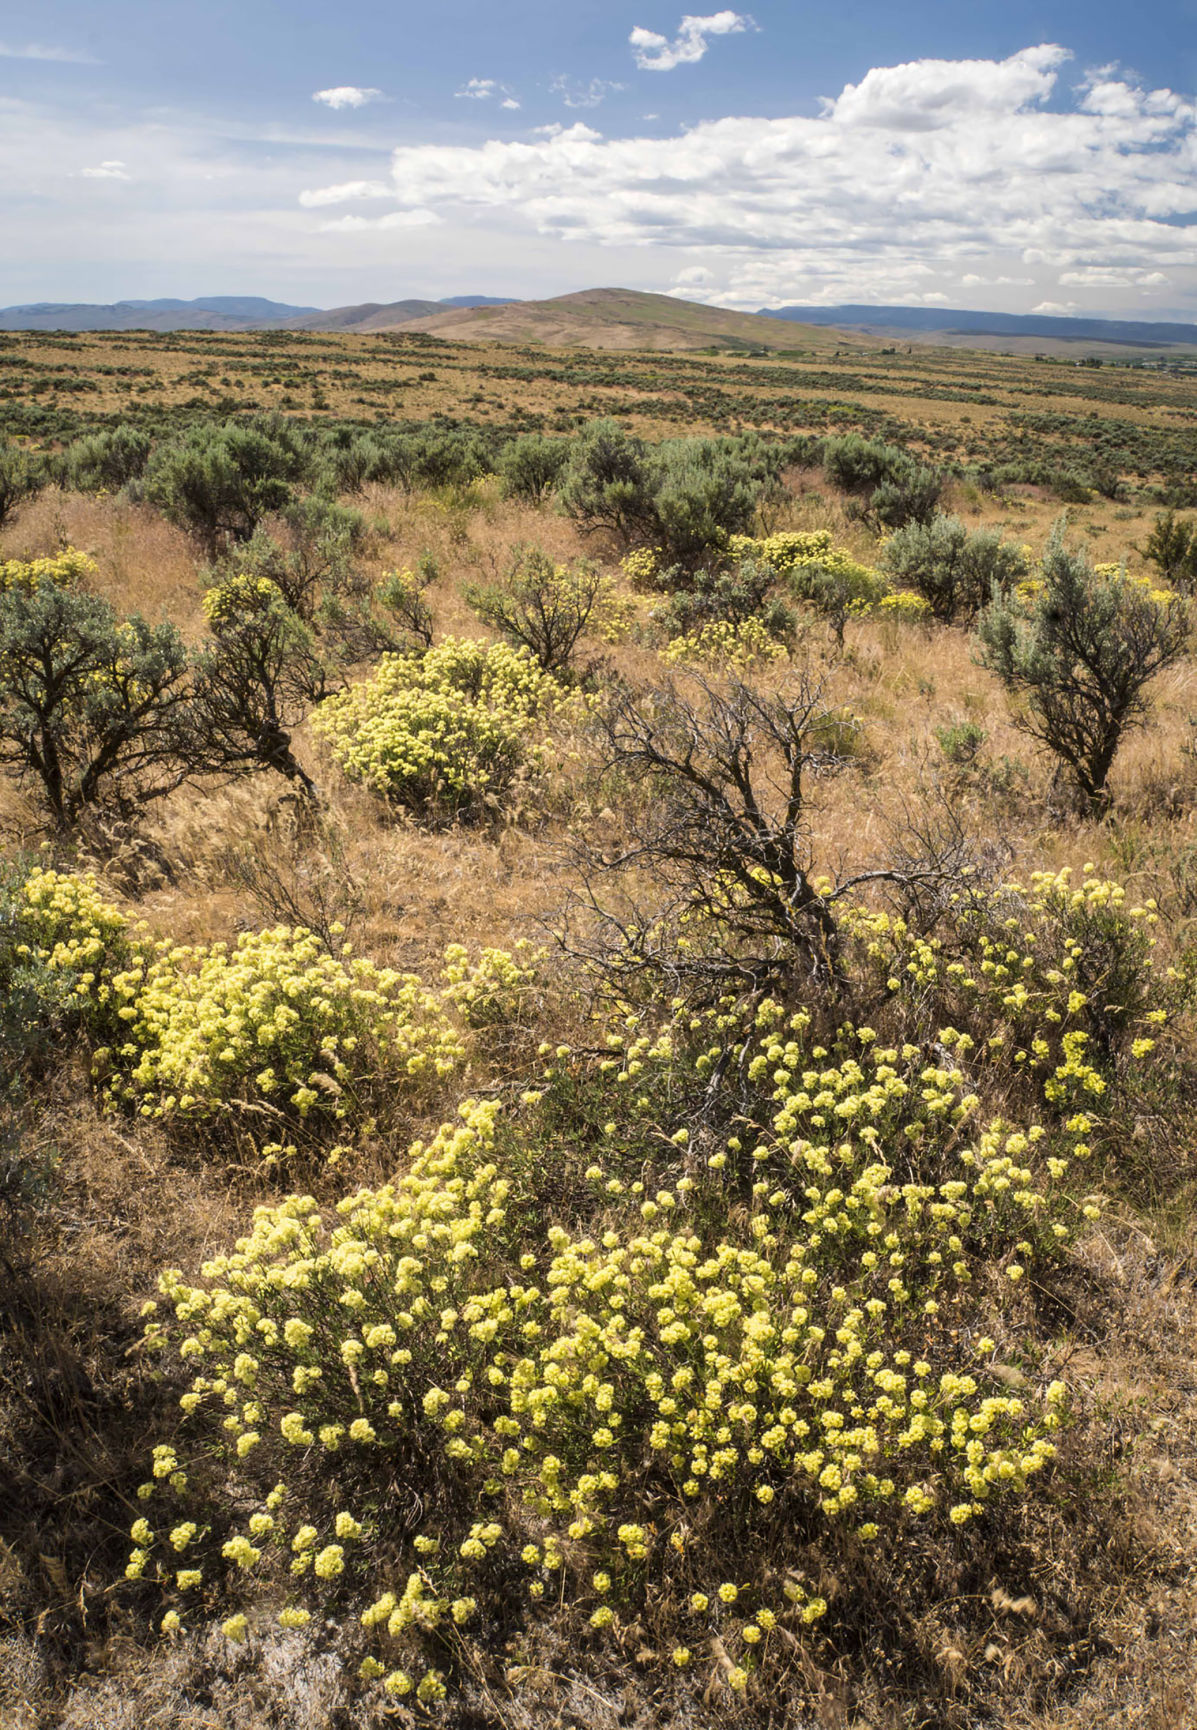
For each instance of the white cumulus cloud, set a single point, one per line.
(111, 170)
(1103, 276)
(655, 53)
(971, 280)
(907, 182)
(346, 96)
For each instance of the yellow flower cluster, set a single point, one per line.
(637, 1379)
(277, 1020)
(64, 922)
(1039, 977)
(277, 1025)
(240, 597)
(820, 573)
(67, 570)
(642, 566)
(445, 730)
(904, 604)
(787, 550)
(1144, 580)
(402, 583)
(720, 643)
(494, 991)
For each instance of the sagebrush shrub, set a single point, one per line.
(1172, 548)
(22, 477)
(94, 709)
(685, 497)
(219, 481)
(257, 675)
(746, 591)
(530, 467)
(547, 607)
(106, 461)
(1078, 648)
(955, 570)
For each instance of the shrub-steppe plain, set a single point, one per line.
(599, 1046)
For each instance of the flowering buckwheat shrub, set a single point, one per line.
(65, 922)
(787, 550)
(721, 643)
(274, 1032)
(1059, 981)
(905, 605)
(67, 570)
(703, 1309)
(494, 991)
(275, 1020)
(237, 598)
(445, 731)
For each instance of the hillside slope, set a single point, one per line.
(623, 318)
(368, 315)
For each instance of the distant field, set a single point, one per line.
(967, 406)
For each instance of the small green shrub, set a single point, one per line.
(1078, 650)
(218, 482)
(685, 497)
(703, 491)
(529, 467)
(955, 569)
(94, 709)
(256, 676)
(961, 742)
(746, 591)
(107, 461)
(605, 484)
(897, 487)
(22, 477)
(1172, 548)
(545, 607)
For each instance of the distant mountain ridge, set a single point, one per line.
(604, 318)
(962, 322)
(629, 319)
(223, 312)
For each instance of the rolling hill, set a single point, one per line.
(621, 318)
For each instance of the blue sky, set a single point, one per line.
(1011, 156)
